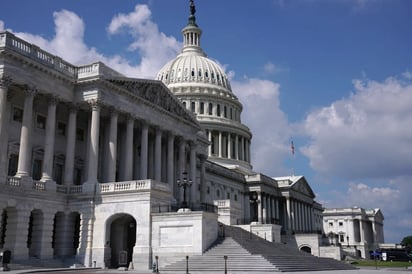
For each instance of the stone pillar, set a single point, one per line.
(211, 144)
(229, 146)
(236, 147)
(49, 141)
(70, 146)
(170, 161)
(46, 250)
(288, 212)
(144, 149)
(242, 142)
(94, 144)
(128, 158)
(16, 234)
(158, 155)
(202, 178)
(25, 151)
(194, 188)
(260, 217)
(5, 82)
(112, 161)
(86, 237)
(220, 144)
(182, 164)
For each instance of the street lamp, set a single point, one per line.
(184, 183)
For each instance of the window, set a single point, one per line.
(217, 193)
(58, 173)
(340, 223)
(208, 190)
(202, 108)
(228, 196)
(40, 121)
(184, 104)
(13, 162)
(17, 114)
(210, 109)
(61, 128)
(37, 169)
(80, 134)
(77, 176)
(341, 238)
(330, 224)
(218, 110)
(235, 197)
(193, 106)
(225, 111)
(231, 113)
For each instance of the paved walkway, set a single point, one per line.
(114, 271)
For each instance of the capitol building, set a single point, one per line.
(109, 170)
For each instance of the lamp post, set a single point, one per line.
(184, 183)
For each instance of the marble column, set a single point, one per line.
(209, 133)
(46, 250)
(94, 144)
(112, 161)
(203, 159)
(170, 161)
(158, 155)
(70, 146)
(260, 207)
(194, 188)
(25, 151)
(229, 146)
(220, 146)
(49, 141)
(144, 149)
(5, 82)
(236, 147)
(288, 212)
(182, 164)
(128, 157)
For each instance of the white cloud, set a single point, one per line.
(1, 25)
(154, 47)
(269, 125)
(367, 135)
(69, 44)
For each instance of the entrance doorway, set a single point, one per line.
(121, 241)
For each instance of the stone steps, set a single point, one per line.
(247, 252)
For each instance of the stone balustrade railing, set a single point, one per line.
(9, 41)
(104, 188)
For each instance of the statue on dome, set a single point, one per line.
(192, 7)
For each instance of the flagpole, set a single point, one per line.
(292, 148)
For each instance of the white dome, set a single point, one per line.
(193, 67)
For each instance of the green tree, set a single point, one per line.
(407, 242)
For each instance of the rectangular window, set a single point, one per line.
(13, 161)
(225, 111)
(218, 110)
(40, 121)
(37, 164)
(202, 108)
(61, 128)
(210, 109)
(340, 223)
(58, 173)
(17, 114)
(77, 176)
(341, 238)
(193, 106)
(330, 224)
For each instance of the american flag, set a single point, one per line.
(292, 147)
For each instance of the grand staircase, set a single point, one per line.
(246, 252)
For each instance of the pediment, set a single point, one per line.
(303, 187)
(156, 93)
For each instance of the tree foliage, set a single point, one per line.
(407, 242)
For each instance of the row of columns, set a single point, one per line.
(224, 142)
(300, 215)
(25, 149)
(268, 208)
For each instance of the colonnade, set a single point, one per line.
(229, 145)
(147, 151)
(300, 215)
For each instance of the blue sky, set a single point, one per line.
(334, 75)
